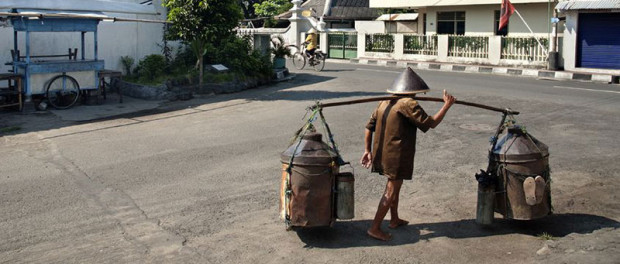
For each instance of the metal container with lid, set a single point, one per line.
(345, 195)
(515, 157)
(309, 168)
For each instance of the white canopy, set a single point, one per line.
(398, 17)
(80, 5)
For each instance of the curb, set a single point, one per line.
(536, 73)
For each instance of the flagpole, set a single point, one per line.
(528, 27)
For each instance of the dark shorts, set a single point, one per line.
(392, 177)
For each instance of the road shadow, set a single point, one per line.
(337, 70)
(13, 123)
(313, 95)
(347, 234)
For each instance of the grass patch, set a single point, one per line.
(546, 236)
(218, 77)
(9, 129)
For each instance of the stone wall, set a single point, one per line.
(172, 91)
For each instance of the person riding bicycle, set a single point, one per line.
(311, 43)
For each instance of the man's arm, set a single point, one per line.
(448, 100)
(367, 157)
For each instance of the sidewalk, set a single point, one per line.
(500, 70)
(109, 107)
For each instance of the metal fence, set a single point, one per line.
(342, 45)
(420, 44)
(468, 46)
(379, 43)
(524, 48)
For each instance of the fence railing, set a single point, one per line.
(420, 44)
(468, 46)
(379, 43)
(342, 45)
(524, 48)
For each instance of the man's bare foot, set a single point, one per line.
(379, 235)
(397, 223)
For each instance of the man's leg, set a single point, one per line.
(395, 221)
(384, 205)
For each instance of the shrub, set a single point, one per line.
(183, 61)
(237, 53)
(127, 62)
(278, 49)
(151, 67)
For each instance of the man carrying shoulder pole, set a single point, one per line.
(395, 123)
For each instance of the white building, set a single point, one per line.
(592, 35)
(475, 17)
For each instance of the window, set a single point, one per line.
(504, 30)
(451, 23)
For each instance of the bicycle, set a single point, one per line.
(63, 91)
(317, 61)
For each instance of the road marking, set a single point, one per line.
(586, 89)
(373, 70)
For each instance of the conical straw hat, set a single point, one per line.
(408, 82)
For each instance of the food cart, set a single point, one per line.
(45, 74)
(62, 78)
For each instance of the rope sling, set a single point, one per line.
(317, 111)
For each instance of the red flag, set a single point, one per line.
(505, 12)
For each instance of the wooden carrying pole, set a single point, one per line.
(421, 98)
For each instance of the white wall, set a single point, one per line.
(389, 3)
(570, 41)
(424, 3)
(479, 19)
(370, 27)
(115, 40)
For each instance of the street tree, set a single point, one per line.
(271, 8)
(201, 23)
(248, 7)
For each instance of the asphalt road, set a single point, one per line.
(198, 181)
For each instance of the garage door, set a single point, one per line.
(599, 41)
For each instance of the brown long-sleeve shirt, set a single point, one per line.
(395, 124)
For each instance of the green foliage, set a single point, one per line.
(235, 52)
(270, 23)
(183, 61)
(248, 7)
(525, 42)
(380, 43)
(9, 129)
(467, 42)
(238, 55)
(209, 20)
(271, 8)
(198, 48)
(127, 62)
(151, 67)
(546, 236)
(219, 77)
(278, 49)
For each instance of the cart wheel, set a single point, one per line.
(319, 61)
(63, 91)
(299, 60)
